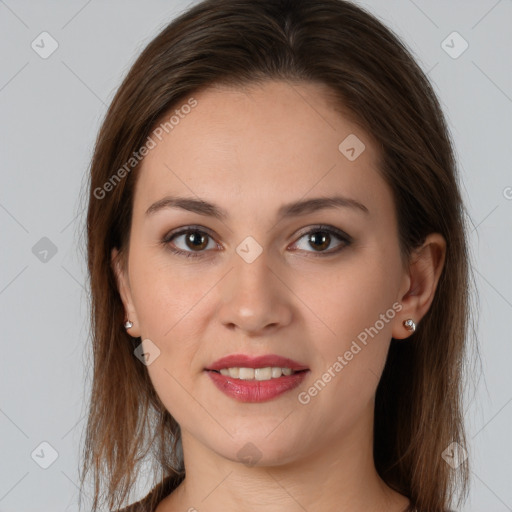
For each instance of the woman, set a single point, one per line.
(279, 270)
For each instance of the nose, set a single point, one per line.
(254, 298)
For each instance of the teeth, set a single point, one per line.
(276, 372)
(256, 373)
(246, 374)
(263, 373)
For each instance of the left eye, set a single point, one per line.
(320, 238)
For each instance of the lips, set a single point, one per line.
(246, 361)
(256, 390)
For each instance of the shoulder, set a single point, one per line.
(157, 494)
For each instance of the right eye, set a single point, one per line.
(193, 241)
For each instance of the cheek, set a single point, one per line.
(353, 300)
(357, 313)
(164, 294)
(167, 303)
(349, 363)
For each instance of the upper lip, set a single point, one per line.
(245, 361)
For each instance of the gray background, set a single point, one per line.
(51, 110)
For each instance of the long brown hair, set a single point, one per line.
(373, 76)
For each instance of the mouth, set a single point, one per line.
(256, 379)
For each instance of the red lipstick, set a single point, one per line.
(256, 390)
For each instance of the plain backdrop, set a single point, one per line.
(51, 109)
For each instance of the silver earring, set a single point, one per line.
(410, 325)
(128, 324)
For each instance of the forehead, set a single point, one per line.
(269, 142)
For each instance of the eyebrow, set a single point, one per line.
(301, 207)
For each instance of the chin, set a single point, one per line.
(259, 450)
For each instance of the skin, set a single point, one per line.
(250, 151)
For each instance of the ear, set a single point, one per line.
(123, 286)
(420, 282)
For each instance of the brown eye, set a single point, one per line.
(321, 238)
(190, 242)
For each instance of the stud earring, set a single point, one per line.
(410, 325)
(128, 324)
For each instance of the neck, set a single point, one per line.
(338, 478)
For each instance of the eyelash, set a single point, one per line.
(342, 236)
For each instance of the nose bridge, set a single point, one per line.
(253, 297)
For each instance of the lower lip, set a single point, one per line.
(256, 390)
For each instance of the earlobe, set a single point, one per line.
(131, 323)
(425, 267)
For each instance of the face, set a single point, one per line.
(319, 284)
